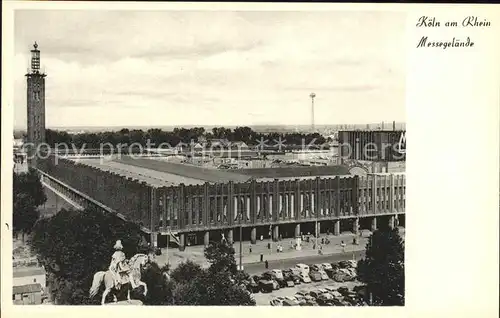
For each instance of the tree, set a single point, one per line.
(217, 285)
(382, 269)
(74, 245)
(221, 257)
(160, 290)
(185, 272)
(212, 288)
(28, 195)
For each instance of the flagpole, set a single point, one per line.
(241, 246)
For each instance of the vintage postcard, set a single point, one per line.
(238, 155)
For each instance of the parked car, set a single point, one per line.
(290, 301)
(303, 268)
(276, 285)
(269, 276)
(335, 265)
(361, 291)
(325, 299)
(315, 293)
(305, 278)
(278, 301)
(285, 283)
(288, 274)
(336, 294)
(343, 290)
(341, 277)
(353, 263)
(330, 272)
(296, 271)
(301, 293)
(343, 264)
(352, 298)
(300, 299)
(252, 286)
(311, 303)
(296, 279)
(316, 267)
(290, 279)
(278, 274)
(338, 301)
(331, 288)
(325, 303)
(315, 276)
(327, 266)
(323, 274)
(266, 286)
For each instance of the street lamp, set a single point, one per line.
(316, 228)
(241, 243)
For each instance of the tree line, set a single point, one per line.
(28, 196)
(178, 135)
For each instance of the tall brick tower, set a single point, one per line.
(36, 105)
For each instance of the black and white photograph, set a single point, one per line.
(209, 157)
(247, 158)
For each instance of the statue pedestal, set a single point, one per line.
(134, 302)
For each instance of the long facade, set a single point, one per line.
(215, 207)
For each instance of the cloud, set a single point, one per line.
(212, 67)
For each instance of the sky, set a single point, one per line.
(162, 68)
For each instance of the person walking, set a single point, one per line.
(266, 264)
(343, 246)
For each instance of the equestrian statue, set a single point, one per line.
(119, 273)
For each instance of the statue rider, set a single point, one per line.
(117, 265)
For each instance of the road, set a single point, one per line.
(256, 268)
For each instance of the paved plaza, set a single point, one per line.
(195, 253)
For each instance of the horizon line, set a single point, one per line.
(220, 125)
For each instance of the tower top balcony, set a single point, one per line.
(35, 62)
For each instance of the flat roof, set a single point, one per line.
(158, 173)
(184, 170)
(28, 271)
(152, 177)
(26, 289)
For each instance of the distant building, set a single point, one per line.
(197, 147)
(29, 285)
(30, 294)
(219, 143)
(18, 143)
(240, 145)
(29, 275)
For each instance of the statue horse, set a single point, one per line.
(133, 276)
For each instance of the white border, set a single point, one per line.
(452, 170)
